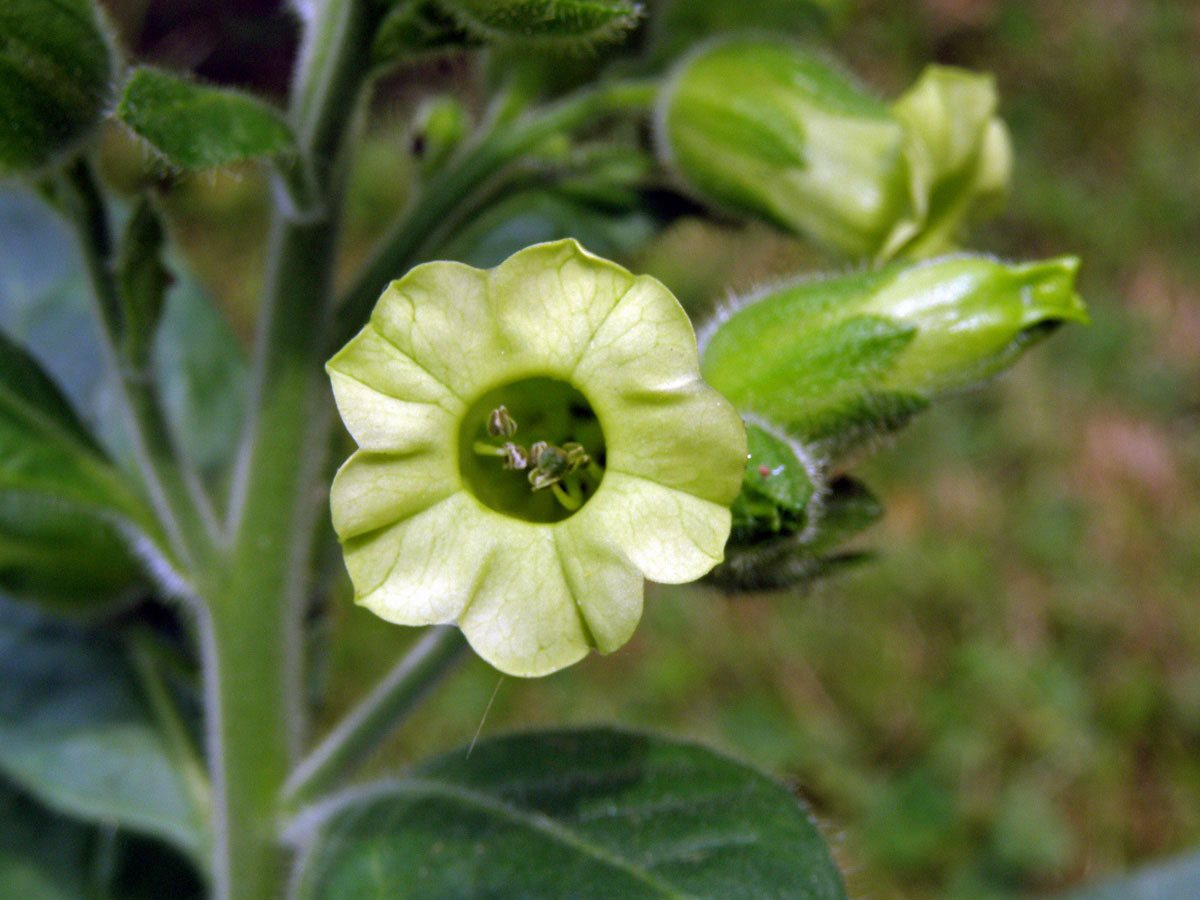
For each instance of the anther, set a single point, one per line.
(500, 423)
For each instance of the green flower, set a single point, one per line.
(533, 441)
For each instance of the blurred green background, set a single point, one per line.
(1006, 702)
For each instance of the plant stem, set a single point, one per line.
(252, 636)
(178, 500)
(373, 719)
(452, 193)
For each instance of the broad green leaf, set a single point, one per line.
(45, 856)
(62, 505)
(413, 27)
(540, 20)
(592, 814)
(196, 126)
(143, 278)
(56, 70)
(203, 375)
(76, 732)
(44, 303)
(1171, 880)
(42, 856)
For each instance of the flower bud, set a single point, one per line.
(439, 127)
(835, 361)
(769, 129)
(958, 155)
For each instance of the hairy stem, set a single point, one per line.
(252, 634)
(376, 716)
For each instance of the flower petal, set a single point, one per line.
(549, 299)
(606, 587)
(522, 618)
(660, 420)
(645, 343)
(671, 536)
(689, 438)
(387, 400)
(374, 490)
(439, 315)
(422, 571)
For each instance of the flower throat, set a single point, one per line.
(532, 449)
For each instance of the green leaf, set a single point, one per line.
(412, 27)
(143, 279)
(200, 368)
(56, 69)
(76, 731)
(596, 814)
(1169, 880)
(44, 856)
(546, 20)
(196, 126)
(41, 855)
(61, 503)
(203, 375)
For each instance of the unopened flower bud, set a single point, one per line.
(766, 128)
(833, 361)
(440, 125)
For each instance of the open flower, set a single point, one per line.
(533, 441)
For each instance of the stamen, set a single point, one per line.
(484, 449)
(515, 456)
(500, 423)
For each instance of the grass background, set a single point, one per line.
(1006, 702)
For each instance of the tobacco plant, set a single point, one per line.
(535, 431)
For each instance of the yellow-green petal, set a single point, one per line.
(423, 570)
(661, 421)
(387, 400)
(606, 587)
(374, 490)
(549, 299)
(671, 536)
(439, 315)
(522, 617)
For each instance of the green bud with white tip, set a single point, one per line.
(769, 129)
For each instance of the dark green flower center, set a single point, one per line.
(532, 449)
